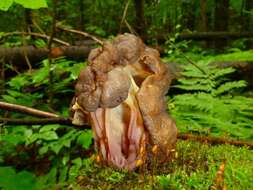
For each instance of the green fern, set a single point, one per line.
(209, 105)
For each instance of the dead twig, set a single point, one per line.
(214, 140)
(26, 110)
(124, 15)
(82, 33)
(41, 121)
(44, 36)
(130, 28)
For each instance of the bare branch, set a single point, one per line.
(26, 110)
(130, 28)
(44, 121)
(50, 60)
(34, 34)
(82, 33)
(124, 15)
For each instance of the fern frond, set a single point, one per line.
(228, 86)
(197, 87)
(221, 72)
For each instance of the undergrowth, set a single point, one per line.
(195, 167)
(58, 156)
(210, 102)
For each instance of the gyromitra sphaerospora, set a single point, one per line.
(122, 93)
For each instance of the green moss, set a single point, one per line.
(195, 167)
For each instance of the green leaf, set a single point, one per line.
(56, 147)
(7, 174)
(40, 76)
(63, 174)
(13, 139)
(43, 150)
(19, 81)
(48, 135)
(85, 139)
(228, 86)
(9, 98)
(51, 127)
(10, 180)
(32, 4)
(77, 162)
(5, 4)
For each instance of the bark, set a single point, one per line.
(17, 58)
(203, 25)
(217, 36)
(81, 12)
(28, 20)
(247, 21)
(246, 17)
(188, 15)
(140, 19)
(203, 16)
(206, 36)
(221, 15)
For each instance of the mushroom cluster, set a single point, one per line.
(122, 94)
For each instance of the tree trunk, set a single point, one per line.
(28, 20)
(247, 21)
(203, 26)
(16, 57)
(221, 16)
(188, 20)
(140, 19)
(81, 12)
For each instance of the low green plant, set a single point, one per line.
(59, 146)
(210, 104)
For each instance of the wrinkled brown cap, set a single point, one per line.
(103, 83)
(123, 88)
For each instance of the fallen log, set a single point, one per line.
(214, 140)
(203, 36)
(214, 35)
(17, 55)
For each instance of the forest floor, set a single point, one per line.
(196, 166)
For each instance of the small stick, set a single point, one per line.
(35, 34)
(124, 15)
(130, 28)
(26, 110)
(42, 121)
(82, 33)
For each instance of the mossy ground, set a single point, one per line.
(195, 167)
